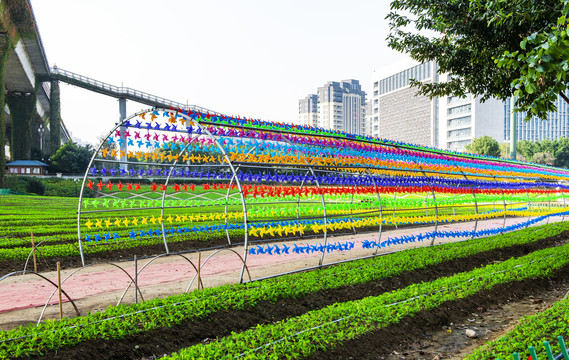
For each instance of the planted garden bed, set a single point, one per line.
(242, 306)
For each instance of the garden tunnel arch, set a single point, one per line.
(166, 175)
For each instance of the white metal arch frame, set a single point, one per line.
(211, 130)
(204, 131)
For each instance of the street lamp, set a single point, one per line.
(41, 130)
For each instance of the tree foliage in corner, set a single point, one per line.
(542, 63)
(71, 159)
(485, 145)
(474, 41)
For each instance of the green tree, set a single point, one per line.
(562, 157)
(473, 41)
(544, 158)
(485, 145)
(71, 158)
(527, 148)
(505, 150)
(548, 146)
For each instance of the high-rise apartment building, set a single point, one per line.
(339, 106)
(443, 122)
(308, 110)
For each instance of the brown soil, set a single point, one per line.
(440, 333)
(383, 343)
(74, 261)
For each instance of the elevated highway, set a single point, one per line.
(31, 104)
(25, 124)
(119, 92)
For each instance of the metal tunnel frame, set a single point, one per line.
(307, 169)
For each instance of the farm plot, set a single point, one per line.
(182, 321)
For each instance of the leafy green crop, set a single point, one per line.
(327, 328)
(119, 321)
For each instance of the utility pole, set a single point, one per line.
(513, 129)
(123, 148)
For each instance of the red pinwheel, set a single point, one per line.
(154, 186)
(137, 187)
(162, 187)
(100, 185)
(176, 187)
(120, 186)
(110, 185)
(128, 186)
(90, 185)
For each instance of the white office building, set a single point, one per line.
(443, 122)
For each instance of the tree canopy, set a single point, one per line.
(492, 48)
(550, 152)
(484, 145)
(71, 158)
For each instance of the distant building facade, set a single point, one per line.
(27, 167)
(308, 110)
(555, 127)
(339, 106)
(443, 122)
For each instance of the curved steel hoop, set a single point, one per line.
(49, 281)
(78, 270)
(148, 263)
(35, 247)
(210, 256)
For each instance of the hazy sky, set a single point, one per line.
(252, 58)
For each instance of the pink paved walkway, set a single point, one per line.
(29, 291)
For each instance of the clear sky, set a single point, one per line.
(253, 58)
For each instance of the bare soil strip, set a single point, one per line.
(422, 336)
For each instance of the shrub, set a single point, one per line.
(35, 186)
(46, 186)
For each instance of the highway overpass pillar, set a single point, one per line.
(54, 118)
(22, 107)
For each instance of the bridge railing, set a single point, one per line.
(121, 91)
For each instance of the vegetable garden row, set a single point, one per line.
(317, 330)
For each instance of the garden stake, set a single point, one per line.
(34, 253)
(532, 352)
(59, 290)
(135, 280)
(550, 355)
(199, 267)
